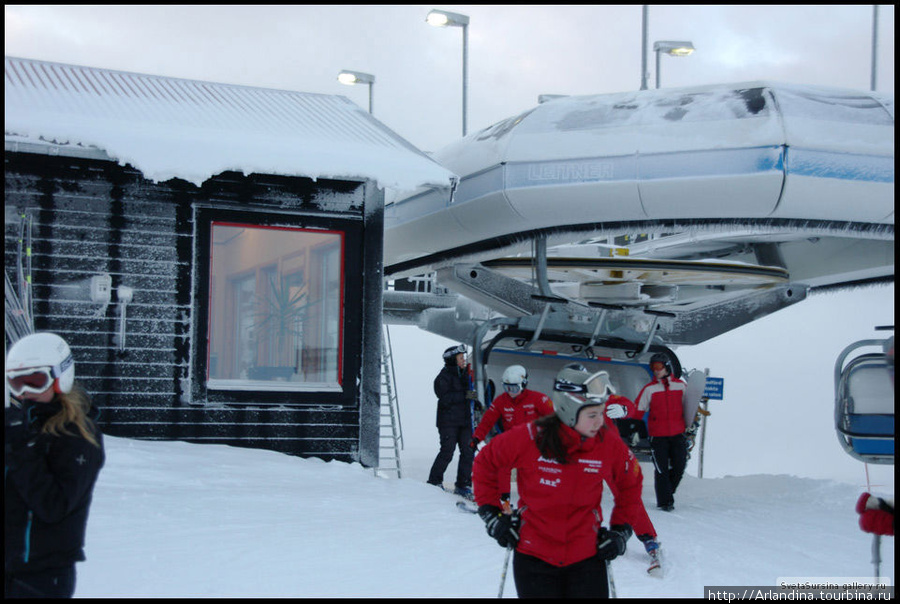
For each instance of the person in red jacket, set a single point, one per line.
(515, 405)
(663, 397)
(563, 459)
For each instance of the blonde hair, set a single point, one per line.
(75, 407)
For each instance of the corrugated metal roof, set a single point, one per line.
(139, 119)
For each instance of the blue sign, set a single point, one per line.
(715, 388)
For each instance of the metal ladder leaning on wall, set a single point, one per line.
(390, 432)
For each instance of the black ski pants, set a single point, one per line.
(453, 437)
(669, 462)
(51, 583)
(538, 579)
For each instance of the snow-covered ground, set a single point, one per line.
(178, 519)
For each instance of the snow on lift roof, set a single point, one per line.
(176, 128)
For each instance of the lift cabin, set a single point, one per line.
(543, 358)
(864, 400)
(543, 353)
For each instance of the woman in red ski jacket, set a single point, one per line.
(562, 461)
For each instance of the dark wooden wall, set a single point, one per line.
(90, 217)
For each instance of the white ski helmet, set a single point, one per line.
(36, 353)
(515, 378)
(576, 388)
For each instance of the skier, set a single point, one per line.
(515, 405)
(663, 397)
(619, 407)
(454, 421)
(562, 459)
(53, 453)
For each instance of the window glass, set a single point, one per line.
(276, 307)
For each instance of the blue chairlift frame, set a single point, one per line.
(865, 435)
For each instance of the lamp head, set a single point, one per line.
(443, 18)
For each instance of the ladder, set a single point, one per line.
(390, 432)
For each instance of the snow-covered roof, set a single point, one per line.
(189, 129)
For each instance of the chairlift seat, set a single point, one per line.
(864, 406)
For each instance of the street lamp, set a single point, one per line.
(356, 77)
(675, 49)
(442, 18)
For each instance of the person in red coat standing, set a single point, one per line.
(664, 397)
(562, 460)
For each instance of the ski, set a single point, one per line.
(467, 506)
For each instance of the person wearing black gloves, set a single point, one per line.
(454, 421)
(562, 460)
(52, 455)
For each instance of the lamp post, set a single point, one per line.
(874, 45)
(442, 18)
(357, 77)
(644, 26)
(675, 49)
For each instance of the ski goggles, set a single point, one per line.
(35, 379)
(596, 387)
(512, 388)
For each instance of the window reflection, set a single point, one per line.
(275, 308)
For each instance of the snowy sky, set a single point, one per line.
(515, 53)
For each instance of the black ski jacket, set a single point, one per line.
(48, 485)
(450, 386)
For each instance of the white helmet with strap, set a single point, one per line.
(38, 361)
(576, 388)
(515, 378)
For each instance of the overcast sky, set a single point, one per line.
(515, 52)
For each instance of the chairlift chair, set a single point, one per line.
(864, 401)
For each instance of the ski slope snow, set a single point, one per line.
(173, 519)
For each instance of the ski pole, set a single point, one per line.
(509, 550)
(876, 556)
(612, 582)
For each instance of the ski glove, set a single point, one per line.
(474, 443)
(616, 411)
(611, 541)
(502, 527)
(876, 515)
(471, 395)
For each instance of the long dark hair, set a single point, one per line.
(548, 439)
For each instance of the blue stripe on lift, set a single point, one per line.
(692, 164)
(842, 166)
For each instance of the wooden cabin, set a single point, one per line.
(212, 253)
